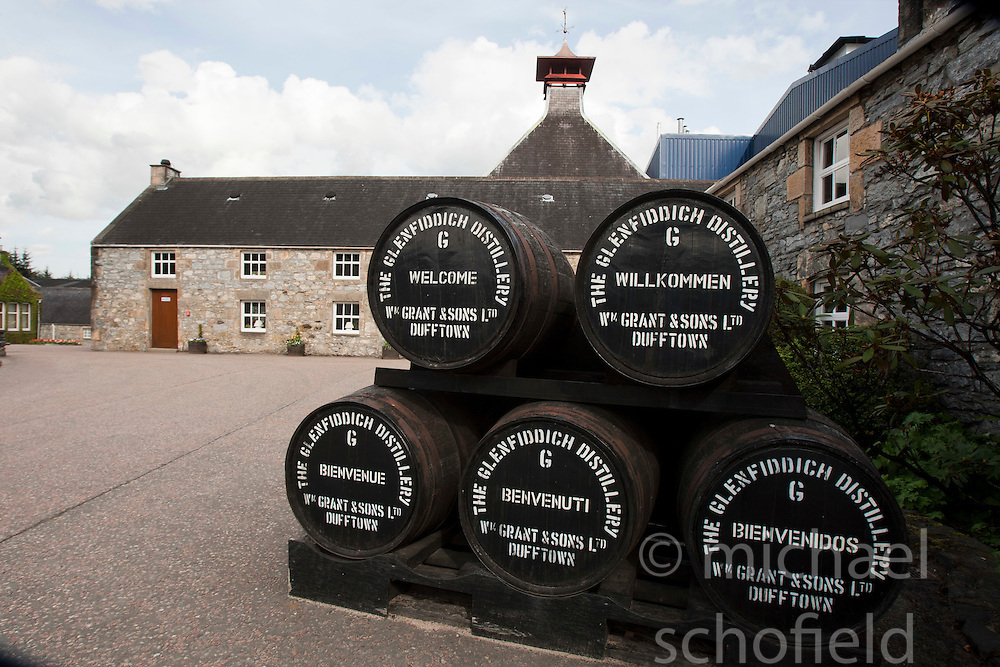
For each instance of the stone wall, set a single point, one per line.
(77, 332)
(300, 291)
(776, 194)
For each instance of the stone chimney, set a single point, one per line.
(916, 15)
(160, 174)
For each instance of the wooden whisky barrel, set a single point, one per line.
(556, 495)
(377, 469)
(674, 288)
(787, 517)
(457, 284)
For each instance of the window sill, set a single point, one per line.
(839, 206)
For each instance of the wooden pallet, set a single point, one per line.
(628, 602)
(442, 561)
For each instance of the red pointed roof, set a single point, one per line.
(564, 67)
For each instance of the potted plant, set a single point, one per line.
(388, 351)
(198, 345)
(295, 346)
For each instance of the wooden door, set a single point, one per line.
(164, 318)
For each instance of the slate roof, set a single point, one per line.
(65, 305)
(565, 144)
(299, 211)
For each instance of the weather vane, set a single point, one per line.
(565, 29)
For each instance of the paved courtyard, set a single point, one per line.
(143, 518)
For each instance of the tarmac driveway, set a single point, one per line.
(143, 518)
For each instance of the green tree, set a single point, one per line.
(22, 262)
(933, 273)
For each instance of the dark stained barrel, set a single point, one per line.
(556, 495)
(674, 288)
(788, 517)
(457, 284)
(376, 469)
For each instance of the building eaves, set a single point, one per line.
(339, 212)
(918, 42)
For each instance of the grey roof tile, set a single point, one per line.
(297, 211)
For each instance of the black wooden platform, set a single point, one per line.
(576, 624)
(759, 386)
(629, 602)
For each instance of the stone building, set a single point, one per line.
(19, 303)
(65, 312)
(252, 259)
(803, 177)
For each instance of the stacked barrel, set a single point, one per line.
(673, 291)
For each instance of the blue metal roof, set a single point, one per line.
(819, 87)
(708, 156)
(696, 156)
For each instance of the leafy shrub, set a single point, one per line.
(937, 467)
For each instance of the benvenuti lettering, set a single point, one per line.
(545, 500)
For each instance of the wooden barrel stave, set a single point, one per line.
(377, 469)
(458, 284)
(802, 518)
(556, 495)
(674, 288)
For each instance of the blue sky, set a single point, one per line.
(94, 91)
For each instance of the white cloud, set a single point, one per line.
(752, 57)
(72, 160)
(141, 5)
(813, 22)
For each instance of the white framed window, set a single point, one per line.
(87, 333)
(254, 265)
(346, 318)
(15, 316)
(837, 315)
(165, 264)
(831, 166)
(347, 264)
(254, 316)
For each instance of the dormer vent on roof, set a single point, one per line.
(564, 144)
(565, 68)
